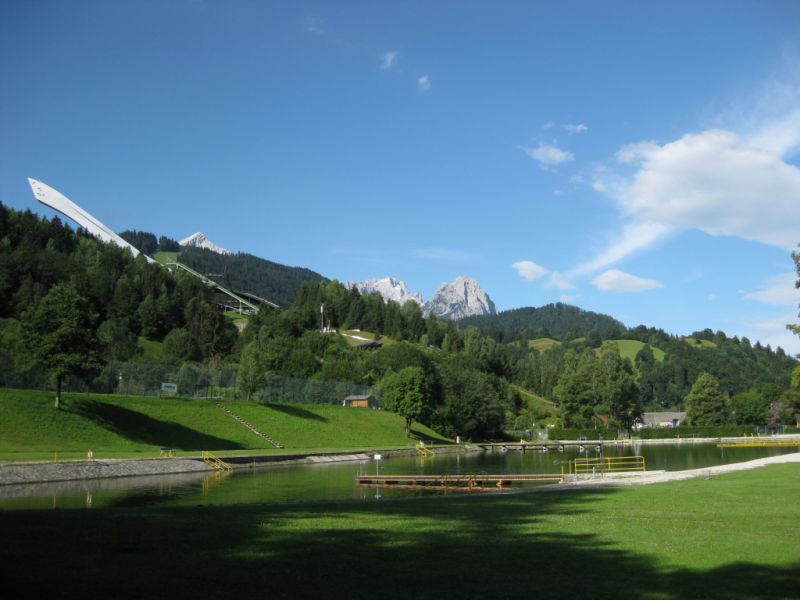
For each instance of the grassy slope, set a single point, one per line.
(165, 257)
(702, 344)
(734, 536)
(351, 337)
(630, 348)
(117, 424)
(536, 402)
(543, 344)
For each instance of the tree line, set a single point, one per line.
(71, 306)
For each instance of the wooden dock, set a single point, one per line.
(471, 481)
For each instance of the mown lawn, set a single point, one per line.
(117, 426)
(735, 536)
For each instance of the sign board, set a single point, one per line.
(169, 387)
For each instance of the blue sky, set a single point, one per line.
(634, 158)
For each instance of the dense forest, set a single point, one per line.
(272, 281)
(559, 320)
(75, 310)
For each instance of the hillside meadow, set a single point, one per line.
(139, 426)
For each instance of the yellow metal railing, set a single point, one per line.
(759, 443)
(423, 450)
(607, 464)
(215, 462)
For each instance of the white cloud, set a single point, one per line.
(773, 332)
(576, 129)
(599, 186)
(529, 270)
(557, 280)
(778, 290)
(547, 155)
(567, 298)
(634, 153)
(576, 179)
(389, 60)
(618, 281)
(424, 83)
(779, 137)
(634, 237)
(714, 182)
(732, 180)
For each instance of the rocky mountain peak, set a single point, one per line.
(389, 288)
(200, 240)
(462, 298)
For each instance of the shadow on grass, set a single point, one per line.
(296, 411)
(493, 548)
(140, 428)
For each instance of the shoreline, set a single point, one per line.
(76, 470)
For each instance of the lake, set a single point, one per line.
(335, 481)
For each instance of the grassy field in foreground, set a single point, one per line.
(734, 536)
(31, 428)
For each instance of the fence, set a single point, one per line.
(607, 464)
(188, 380)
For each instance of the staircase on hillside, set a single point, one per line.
(250, 426)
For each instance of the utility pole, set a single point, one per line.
(322, 318)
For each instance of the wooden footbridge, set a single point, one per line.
(473, 481)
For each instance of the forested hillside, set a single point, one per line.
(77, 310)
(69, 305)
(553, 320)
(275, 282)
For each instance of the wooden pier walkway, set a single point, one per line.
(471, 481)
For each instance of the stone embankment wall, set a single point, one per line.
(16, 473)
(22, 473)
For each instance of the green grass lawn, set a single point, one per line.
(543, 344)
(165, 257)
(351, 336)
(630, 348)
(701, 344)
(152, 351)
(30, 428)
(734, 536)
(536, 402)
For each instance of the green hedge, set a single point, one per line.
(558, 433)
(689, 431)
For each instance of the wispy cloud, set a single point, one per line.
(548, 155)
(576, 129)
(315, 25)
(567, 298)
(634, 237)
(557, 280)
(424, 83)
(778, 290)
(527, 269)
(773, 331)
(389, 60)
(615, 280)
(719, 181)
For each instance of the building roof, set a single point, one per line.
(656, 418)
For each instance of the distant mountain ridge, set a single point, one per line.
(462, 298)
(553, 320)
(389, 288)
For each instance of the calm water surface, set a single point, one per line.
(335, 481)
